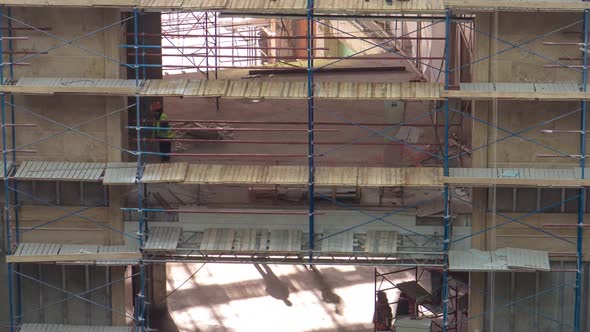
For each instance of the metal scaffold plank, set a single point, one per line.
(368, 7)
(163, 238)
(51, 252)
(60, 171)
(36, 327)
(515, 5)
(119, 173)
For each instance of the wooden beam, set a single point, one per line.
(479, 5)
(368, 7)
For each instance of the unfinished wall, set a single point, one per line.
(91, 115)
(519, 66)
(99, 138)
(544, 300)
(44, 303)
(69, 61)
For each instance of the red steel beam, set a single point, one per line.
(243, 129)
(240, 67)
(285, 57)
(240, 48)
(273, 212)
(237, 155)
(194, 140)
(281, 37)
(319, 123)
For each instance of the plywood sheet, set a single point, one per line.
(287, 175)
(226, 174)
(336, 176)
(324, 176)
(164, 172)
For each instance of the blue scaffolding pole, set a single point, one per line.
(580, 229)
(19, 309)
(310, 126)
(10, 266)
(446, 213)
(140, 303)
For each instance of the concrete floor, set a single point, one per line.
(227, 297)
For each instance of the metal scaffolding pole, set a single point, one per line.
(19, 310)
(310, 125)
(446, 202)
(7, 193)
(582, 196)
(140, 303)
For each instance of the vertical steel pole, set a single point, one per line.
(6, 191)
(446, 214)
(580, 233)
(375, 300)
(206, 25)
(216, 56)
(310, 126)
(140, 322)
(19, 308)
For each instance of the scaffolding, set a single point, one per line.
(443, 176)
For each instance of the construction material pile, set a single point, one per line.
(221, 133)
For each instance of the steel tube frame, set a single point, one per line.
(11, 53)
(7, 194)
(446, 198)
(310, 125)
(582, 198)
(140, 304)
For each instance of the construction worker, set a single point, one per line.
(164, 135)
(383, 316)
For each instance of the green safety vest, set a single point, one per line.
(163, 133)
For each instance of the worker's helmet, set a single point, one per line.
(155, 106)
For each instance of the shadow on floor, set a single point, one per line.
(328, 295)
(161, 320)
(274, 286)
